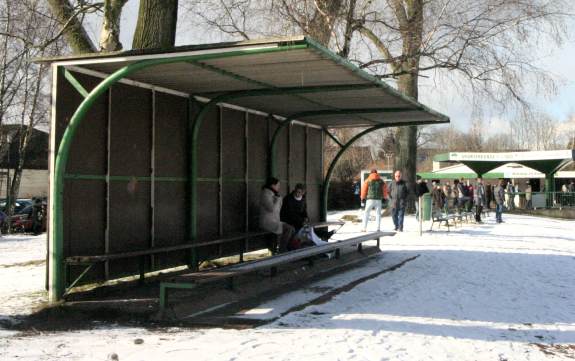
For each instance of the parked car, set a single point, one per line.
(19, 205)
(22, 222)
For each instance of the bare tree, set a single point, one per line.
(484, 46)
(536, 131)
(27, 34)
(488, 44)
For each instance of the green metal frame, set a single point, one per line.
(195, 124)
(57, 272)
(325, 188)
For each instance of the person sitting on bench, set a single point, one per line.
(269, 220)
(294, 208)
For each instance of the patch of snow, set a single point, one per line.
(480, 292)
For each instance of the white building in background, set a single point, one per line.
(35, 175)
(34, 183)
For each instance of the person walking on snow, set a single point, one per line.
(373, 192)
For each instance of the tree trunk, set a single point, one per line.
(110, 34)
(156, 27)
(26, 128)
(349, 29)
(74, 33)
(410, 19)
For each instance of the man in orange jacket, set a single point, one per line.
(373, 192)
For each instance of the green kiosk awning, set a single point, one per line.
(547, 162)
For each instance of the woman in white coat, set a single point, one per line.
(270, 207)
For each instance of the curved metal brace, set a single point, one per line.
(325, 188)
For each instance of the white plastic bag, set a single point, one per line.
(306, 233)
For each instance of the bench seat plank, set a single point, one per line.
(82, 260)
(268, 262)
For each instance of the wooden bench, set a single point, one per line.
(192, 280)
(90, 261)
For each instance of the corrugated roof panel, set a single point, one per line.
(269, 65)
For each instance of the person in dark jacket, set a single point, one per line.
(294, 208)
(488, 195)
(420, 189)
(438, 198)
(398, 197)
(479, 199)
(499, 193)
(37, 216)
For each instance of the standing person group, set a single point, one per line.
(373, 194)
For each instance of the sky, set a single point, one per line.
(436, 94)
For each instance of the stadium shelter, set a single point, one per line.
(156, 148)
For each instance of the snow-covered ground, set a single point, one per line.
(479, 292)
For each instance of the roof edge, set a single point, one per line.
(176, 49)
(365, 75)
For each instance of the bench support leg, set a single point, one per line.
(359, 248)
(142, 269)
(310, 261)
(163, 298)
(231, 284)
(78, 279)
(164, 286)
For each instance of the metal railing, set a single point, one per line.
(536, 200)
